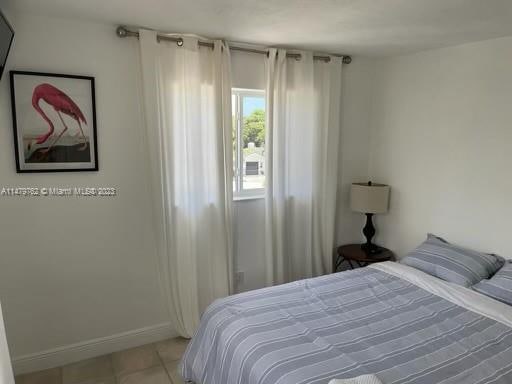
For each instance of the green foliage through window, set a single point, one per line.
(248, 119)
(254, 128)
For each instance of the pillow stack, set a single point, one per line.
(499, 287)
(452, 263)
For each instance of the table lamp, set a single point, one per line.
(369, 198)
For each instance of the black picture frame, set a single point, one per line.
(62, 106)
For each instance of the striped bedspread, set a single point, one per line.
(380, 320)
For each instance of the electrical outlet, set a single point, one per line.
(239, 276)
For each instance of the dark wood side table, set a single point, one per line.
(353, 254)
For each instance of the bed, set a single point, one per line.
(387, 319)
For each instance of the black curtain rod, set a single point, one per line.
(122, 31)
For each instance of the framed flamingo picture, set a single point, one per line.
(54, 120)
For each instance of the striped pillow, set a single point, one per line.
(452, 263)
(500, 286)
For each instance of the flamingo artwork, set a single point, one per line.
(62, 104)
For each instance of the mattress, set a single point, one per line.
(387, 319)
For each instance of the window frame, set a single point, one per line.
(240, 193)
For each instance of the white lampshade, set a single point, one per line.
(369, 198)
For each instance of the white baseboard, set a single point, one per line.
(84, 350)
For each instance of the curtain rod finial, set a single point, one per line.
(346, 59)
(121, 31)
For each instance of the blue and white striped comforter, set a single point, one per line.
(348, 324)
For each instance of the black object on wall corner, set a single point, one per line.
(6, 38)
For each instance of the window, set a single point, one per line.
(248, 142)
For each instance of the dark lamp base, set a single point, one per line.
(369, 231)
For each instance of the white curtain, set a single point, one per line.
(303, 124)
(187, 108)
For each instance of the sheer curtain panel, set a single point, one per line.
(187, 108)
(303, 125)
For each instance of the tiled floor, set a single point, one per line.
(149, 364)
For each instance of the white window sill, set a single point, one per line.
(249, 196)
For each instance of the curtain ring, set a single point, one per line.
(179, 42)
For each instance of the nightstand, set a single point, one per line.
(353, 254)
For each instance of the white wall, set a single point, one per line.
(357, 87)
(442, 138)
(247, 70)
(249, 235)
(76, 269)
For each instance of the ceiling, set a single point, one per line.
(357, 27)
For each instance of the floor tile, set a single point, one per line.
(104, 380)
(172, 370)
(155, 375)
(135, 359)
(49, 376)
(88, 371)
(172, 349)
